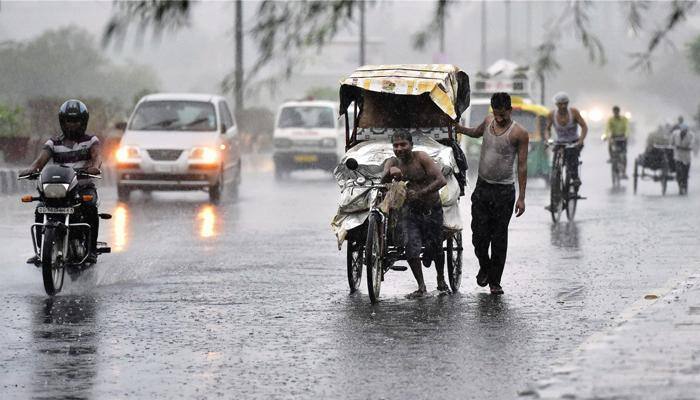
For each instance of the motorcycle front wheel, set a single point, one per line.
(52, 265)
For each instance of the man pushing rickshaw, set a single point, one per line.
(403, 173)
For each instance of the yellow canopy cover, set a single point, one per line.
(447, 85)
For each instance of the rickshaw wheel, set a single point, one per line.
(454, 261)
(636, 175)
(373, 259)
(354, 265)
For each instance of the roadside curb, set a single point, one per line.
(615, 362)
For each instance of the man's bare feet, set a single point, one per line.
(442, 286)
(418, 294)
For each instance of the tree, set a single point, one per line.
(66, 63)
(285, 29)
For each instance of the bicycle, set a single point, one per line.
(563, 193)
(617, 160)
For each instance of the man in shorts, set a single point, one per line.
(421, 214)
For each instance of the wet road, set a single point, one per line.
(250, 300)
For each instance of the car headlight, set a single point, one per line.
(283, 143)
(127, 154)
(204, 155)
(55, 190)
(328, 142)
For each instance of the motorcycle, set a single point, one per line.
(62, 240)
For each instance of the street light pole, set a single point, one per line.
(238, 74)
(483, 35)
(508, 36)
(362, 32)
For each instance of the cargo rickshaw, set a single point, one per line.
(656, 164)
(426, 100)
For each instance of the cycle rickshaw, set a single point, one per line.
(424, 99)
(656, 164)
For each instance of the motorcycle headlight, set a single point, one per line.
(205, 155)
(328, 142)
(55, 190)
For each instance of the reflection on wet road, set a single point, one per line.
(249, 299)
(119, 224)
(206, 218)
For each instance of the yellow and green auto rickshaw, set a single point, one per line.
(534, 118)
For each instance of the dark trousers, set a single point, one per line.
(571, 159)
(88, 212)
(682, 171)
(492, 208)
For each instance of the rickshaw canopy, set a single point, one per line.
(446, 85)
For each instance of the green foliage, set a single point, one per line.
(66, 63)
(12, 122)
(694, 54)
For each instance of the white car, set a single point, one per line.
(308, 135)
(179, 142)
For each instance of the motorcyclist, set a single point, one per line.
(566, 121)
(76, 149)
(617, 132)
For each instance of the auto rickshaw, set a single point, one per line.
(425, 99)
(533, 117)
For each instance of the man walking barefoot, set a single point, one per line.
(494, 195)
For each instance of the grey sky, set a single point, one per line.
(198, 57)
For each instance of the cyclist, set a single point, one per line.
(566, 121)
(617, 132)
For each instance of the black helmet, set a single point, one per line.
(73, 111)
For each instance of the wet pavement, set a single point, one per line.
(249, 299)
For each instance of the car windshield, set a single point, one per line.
(306, 117)
(174, 116)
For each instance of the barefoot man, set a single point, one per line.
(494, 195)
(421, 214)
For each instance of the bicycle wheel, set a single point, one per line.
(52, 266)
(571, 202)
(556, 192)
(454, 261)
(354, 264)
(373, 258)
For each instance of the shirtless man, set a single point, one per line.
(421, 215)
(494, 195)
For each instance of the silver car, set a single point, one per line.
(179, 142)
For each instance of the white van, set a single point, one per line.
(308, 135)
(179, 142)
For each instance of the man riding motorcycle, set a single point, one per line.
(79, 151)
(616, 133)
